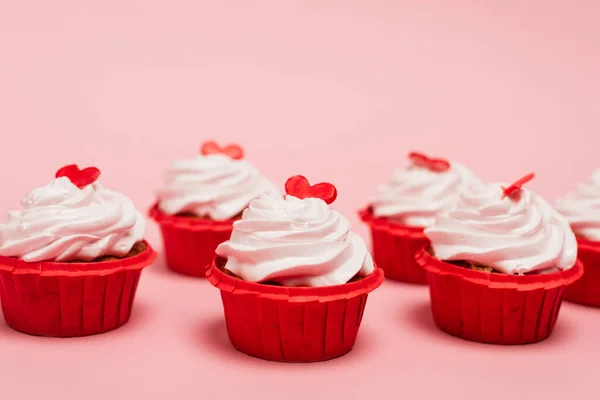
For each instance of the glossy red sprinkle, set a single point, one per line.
(432, 164)
(234, 151)
(299, 187)
(79, 177)
(518, 184)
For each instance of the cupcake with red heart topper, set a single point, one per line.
(199, 201)
(498, 265)
(581, 208)
(294, 279)
(71, 259)
(408, 204)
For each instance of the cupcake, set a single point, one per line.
(581, 208)
(199, 201)
(294, 278)
(407, 205)
(71, 259)
(498, 264)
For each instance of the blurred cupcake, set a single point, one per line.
(294, 278)
(581, 208)
(498, 265)
(407, 205)
(199, 201)
(71, 259)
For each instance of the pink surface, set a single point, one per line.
(335, 90)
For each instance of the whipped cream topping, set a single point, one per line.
(515, 234)
(582, 208)
(296, 243)
(214, 186)
(416, 195)
(61, 222)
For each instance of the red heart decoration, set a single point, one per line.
(79, 177)
(518, 184)
(299, 187)
(432, 164)
(234, 151)
(418, 159)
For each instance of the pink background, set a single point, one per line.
(335, 90)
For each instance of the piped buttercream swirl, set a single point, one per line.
(61, 222)
(416, 195)
(581, 208)
(214, 186)
(296, 243)
(515, 234)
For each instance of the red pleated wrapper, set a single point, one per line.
(495, 308)
(296, 324)
(587, 289)
(70, 299)
(190, 243)
(395, 247)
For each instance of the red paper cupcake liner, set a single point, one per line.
(395, 247)
(587, 289)
(190, 243)
(292, 324)
(70, 299)
(495, 308)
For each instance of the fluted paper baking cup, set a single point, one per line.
(495, 308)
(70, 299)
(395, 247)
(587, 289)
(295, 324)
(190, 243)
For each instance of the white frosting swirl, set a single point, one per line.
(214, 186)
(515, 234)
(582, 208)
(296, 243)
(61, 222)
(416, 195)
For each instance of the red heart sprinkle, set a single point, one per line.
(234, 151)
(438, 165)
(79, 177)
(299, 187)
(518, 184)
(432, 164)
(418, 159)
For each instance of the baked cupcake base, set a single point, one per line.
(292, 324)
(586, 290)
(227, 272)
(395, 247)
(190, 242)
(492, 307)
(71, 299)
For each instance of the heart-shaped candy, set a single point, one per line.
(432, 164)
(518, 184)
(299, 187)
(79, 177)
(234, 151)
